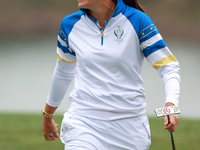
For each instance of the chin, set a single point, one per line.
(82, 6)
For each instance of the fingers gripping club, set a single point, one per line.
(166, 111)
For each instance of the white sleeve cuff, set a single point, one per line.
(172, 91)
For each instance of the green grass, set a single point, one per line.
(23, 132)
(186, 137)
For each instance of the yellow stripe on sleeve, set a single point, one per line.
(164, 61)
(60, 59)
(146, 28)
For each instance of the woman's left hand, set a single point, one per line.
(173, 121)
(172, 124)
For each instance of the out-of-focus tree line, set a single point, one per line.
(174, 18)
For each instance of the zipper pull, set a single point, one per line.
(101, 33)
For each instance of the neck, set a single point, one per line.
(104, 12)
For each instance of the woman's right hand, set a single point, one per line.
(49, 127)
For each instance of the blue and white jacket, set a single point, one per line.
(108, 62)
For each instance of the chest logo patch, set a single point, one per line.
(119, 33)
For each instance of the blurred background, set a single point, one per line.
(28, 33)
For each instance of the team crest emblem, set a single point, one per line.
(119, 33)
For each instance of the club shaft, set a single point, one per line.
(171, 134)
(172, 139)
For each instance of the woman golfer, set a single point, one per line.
(103, 46)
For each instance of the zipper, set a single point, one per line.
(105, 23)
(100, 28)
(101, 36)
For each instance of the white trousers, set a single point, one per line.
(82, 133)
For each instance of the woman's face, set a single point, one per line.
(88, 4)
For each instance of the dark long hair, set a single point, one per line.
(132, 3)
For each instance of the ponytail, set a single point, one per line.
(132, 3)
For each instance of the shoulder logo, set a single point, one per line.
(119, 33)
(62, 34)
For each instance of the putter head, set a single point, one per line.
(164, 111)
